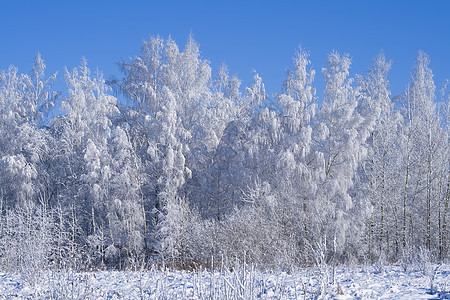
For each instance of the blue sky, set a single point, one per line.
(246, 35)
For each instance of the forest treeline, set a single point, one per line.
(191, 167)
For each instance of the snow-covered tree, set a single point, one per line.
(38, 96)
(125, 211)
(378, 176)
(83, 162)
(25, 145)
(444, 182)
(340, 137)
(188, 168)
(423, 157)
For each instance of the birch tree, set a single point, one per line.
(422, 157)
(379, 169)
(340, 138)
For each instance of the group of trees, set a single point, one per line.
(188, 167)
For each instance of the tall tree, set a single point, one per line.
(84, 162)
(340, 138)
(424, 153)
(378, 177)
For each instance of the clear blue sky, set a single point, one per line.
(246, 35)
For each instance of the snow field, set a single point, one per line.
(391, 282)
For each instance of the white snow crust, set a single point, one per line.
(391, 282)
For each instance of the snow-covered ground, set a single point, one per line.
(391, 282)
